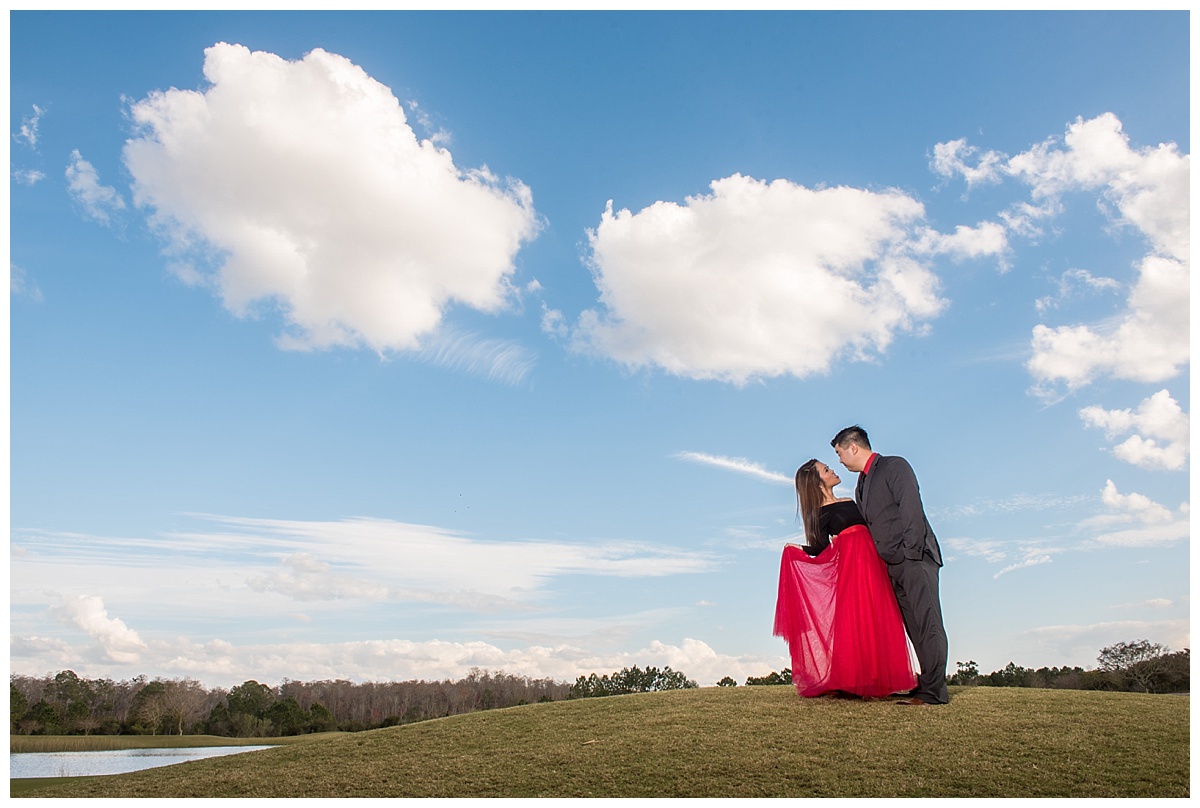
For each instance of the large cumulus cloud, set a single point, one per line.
(300, 184)
(759, 279)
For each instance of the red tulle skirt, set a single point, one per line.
(839, 616)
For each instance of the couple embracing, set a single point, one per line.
(845, 604)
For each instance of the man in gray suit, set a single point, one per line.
(890, 502)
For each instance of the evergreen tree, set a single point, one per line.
(18, 705)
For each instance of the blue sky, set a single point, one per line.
(388, 345)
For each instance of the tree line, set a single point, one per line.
(66, 704)
(1138, 666)
(630, 680)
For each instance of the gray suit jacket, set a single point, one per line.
(890, 501)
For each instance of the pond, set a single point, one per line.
(116, 761)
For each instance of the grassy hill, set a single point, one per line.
(723, 742)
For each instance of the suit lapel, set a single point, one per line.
(864, 482)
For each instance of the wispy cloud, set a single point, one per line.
(597, 631)
(1146, 535)
(737, 464)
(990, 550)
(28, 176)
(83, 183)
(498, 360)
(756, 538)
(1069, 285)
(1129, 520)
(1152, 603)
(1033, 561)
(1086, 640)
(21, 285)
(344, 574)
(1018, 554)
(1013, 504)
(28, 133)
(366, 560)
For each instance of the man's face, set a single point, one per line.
(853, 456)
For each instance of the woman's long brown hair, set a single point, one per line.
(809, 498)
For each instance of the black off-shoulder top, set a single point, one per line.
(833, 519)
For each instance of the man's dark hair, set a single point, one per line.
(851, 434)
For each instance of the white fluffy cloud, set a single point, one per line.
(1149, 343)
(303, 185)
(99, 202)
(958, 158)
(1162, 431)
(1137, 507)
(87, 612)
(759, 279)
(217, 663)
(1135, 520)
(1147, 189)
(985, 239)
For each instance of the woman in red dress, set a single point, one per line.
(836, 608)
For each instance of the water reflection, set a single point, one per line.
(115, 761)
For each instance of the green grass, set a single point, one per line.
(723, 742)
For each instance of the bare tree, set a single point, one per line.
(1140, 661)
(183, 702)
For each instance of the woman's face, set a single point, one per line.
(827, 476)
